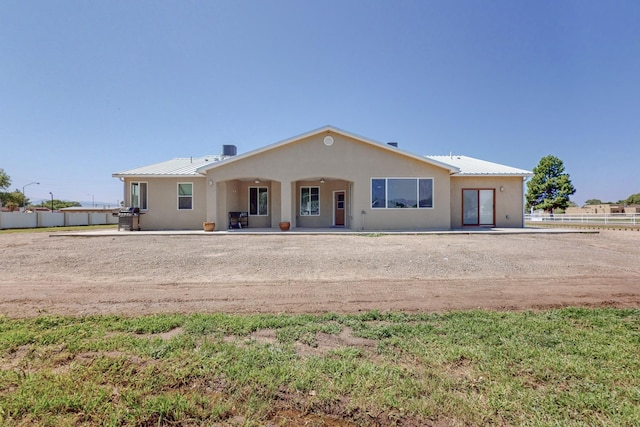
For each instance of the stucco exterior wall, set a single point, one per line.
(348, 164)
(508, 201)
(349, 161)
(162, 204)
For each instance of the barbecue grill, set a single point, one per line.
(129, 218)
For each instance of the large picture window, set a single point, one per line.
(185, 196)
(139, 195)
(401, 193)
(258, 201)
(309, 201)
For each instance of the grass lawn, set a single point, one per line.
(558, 367)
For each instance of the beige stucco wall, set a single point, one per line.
(508, 202)
(162, 204)
(348, 164)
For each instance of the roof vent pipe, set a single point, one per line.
(229, 150)
(393, 144)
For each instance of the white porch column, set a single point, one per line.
(286, 211)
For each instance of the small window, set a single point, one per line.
(401, 193)
(185, 196)
(258, 201)
(309, 201)
(139, 195)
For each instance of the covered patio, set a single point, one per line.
(265, 203)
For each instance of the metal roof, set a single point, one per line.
(470, 166)
(198, 166)
(177, 167)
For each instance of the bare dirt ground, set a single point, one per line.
(135, 274)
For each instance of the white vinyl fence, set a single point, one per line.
(54, 219)
(587, 219)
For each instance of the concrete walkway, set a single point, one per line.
(322, 231)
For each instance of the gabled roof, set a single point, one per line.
(198, 166)
(469, 166)
(330, 129)
(178, 167)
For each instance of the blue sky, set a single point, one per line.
(90, 88)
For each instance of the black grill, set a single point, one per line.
(129, 218)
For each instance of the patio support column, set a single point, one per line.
(211, 199)
(285, 202)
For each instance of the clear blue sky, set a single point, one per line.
(89, 88)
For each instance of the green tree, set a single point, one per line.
(591, 202)
(5, 180)
(6, 197)
(633, 199)
(16, 197)
(550, 187)
(58, 204)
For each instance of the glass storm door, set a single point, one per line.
(338, 206)
(478, 207)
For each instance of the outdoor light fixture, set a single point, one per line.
(51, 200)
(24, 198)
(501, 188)
(322, 181)
(257, 181)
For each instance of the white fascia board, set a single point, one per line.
(476, 175)
(191, 176)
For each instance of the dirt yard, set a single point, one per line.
(134, 274)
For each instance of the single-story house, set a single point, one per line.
(326, 178)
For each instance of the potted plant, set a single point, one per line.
(208, 226)
(285, 225)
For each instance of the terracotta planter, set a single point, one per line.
(208, 226)
(284, 226)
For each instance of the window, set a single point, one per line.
(400, 193)
(258, 201)
(309, 201)
(185, 195)
(139, 195)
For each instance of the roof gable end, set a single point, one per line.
(328, 129)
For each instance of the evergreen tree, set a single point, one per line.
(550, 187)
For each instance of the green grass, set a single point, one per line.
(559, 367)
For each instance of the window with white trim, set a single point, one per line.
(258, 201)
(309, 201)
(185, 196)
(402, 193)
(138, 195)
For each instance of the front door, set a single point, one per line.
(338, 208)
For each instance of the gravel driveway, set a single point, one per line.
(133, 274)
